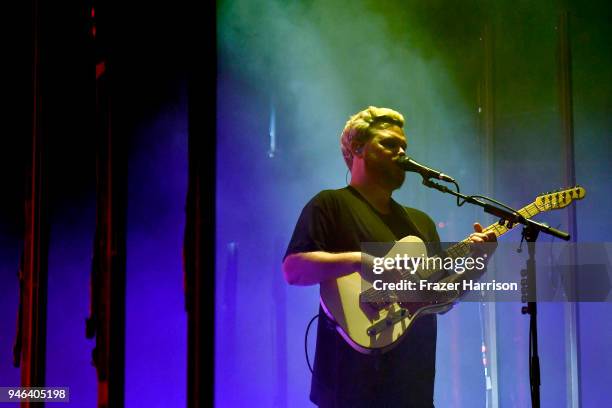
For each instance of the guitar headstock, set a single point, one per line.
(555, 200)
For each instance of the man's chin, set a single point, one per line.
(393, 177)
(396, 181)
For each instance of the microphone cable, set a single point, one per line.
(306, 342)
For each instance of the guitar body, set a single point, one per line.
(340, 299)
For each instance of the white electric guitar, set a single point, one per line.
(376, 327)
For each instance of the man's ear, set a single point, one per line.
(357, 149)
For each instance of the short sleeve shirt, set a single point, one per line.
(339, 221)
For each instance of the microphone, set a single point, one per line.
(408, 164)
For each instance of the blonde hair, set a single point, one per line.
(358, 127)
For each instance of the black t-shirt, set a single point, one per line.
(339, 221)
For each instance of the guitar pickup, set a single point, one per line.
(389, 321)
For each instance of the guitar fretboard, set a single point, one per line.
(462, 249)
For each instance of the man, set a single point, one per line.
(326, 245)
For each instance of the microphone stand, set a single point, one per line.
(511, 217)
(531, 230)
(529, 292)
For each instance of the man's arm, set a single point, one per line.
(310, 268)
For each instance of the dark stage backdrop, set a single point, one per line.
(150, 112)
(156, 350)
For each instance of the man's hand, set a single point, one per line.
(367, 268)
(479, 237)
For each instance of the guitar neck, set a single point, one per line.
(462, 248)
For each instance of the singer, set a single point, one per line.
(325, 245)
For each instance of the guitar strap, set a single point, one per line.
(412, 224)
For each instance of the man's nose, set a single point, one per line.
(402, 152)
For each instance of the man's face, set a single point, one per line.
(388, 143)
